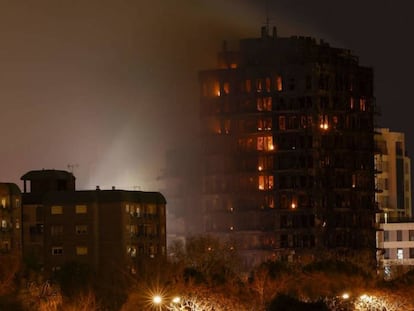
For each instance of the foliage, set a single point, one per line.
(9, 267)
(287, 303)
(74, 278)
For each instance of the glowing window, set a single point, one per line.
(259, 85)
(267, 81)
(248, 86)
(81, 209)
(132, 251)
(3, 202)
(362, 104)
(400, 253)
(265, 182)
(226, 88)
(279, 86)
(81, 250)
(56, 209)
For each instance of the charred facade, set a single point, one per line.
(287, 129)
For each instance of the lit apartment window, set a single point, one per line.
(81, 250)
(57, 250)
(400, 253)
(56, 210)
(132, 251)
(81, 229)
(3, 224)
(81, 209)
(3, 203)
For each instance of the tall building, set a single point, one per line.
(393, 178)
(108, 230)
(287, 129)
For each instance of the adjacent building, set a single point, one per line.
(287, 147)
(10, 219)
(393, 174)
(395, 236)
(108, 230)
(395, 240)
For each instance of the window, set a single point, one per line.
(81, 250)
(282, 123)
(411, 252)
(411, 235)
(132, 251)
(81, 229)
(56, 230)
(386, 236)
(400, 253)
(56, 210)
(279, 84)
(387, 253)
(151, 209)
(3, 224)
(399, 235)
(57, 250)
(81, 209)
(3, 203)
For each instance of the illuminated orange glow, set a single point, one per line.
(226, 88)
(293, 205)
(267, 81)
(279, 85)
(362, 104)
(248, 86)
(233, 66)
(260, 168)
(265, 182)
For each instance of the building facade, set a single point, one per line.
(108, 230)
(393, 174)
(287, 149)
(396, 240)
(10, 218)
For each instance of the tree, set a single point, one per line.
(9, 267)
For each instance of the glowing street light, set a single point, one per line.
(157, 299)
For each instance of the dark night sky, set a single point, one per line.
(109, 86)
